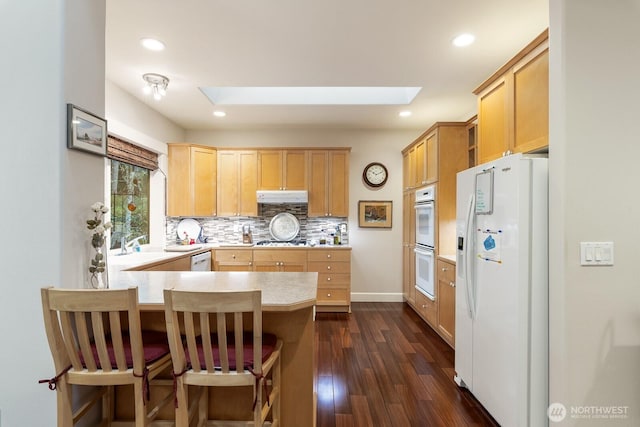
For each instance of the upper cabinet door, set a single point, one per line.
(492, 114)
(270, 170)
(228, 183)
(191, 182)
(531, 101)
(295, 169)
(328, 183)
(282, 170)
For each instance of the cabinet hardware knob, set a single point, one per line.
(328, 267)
(233, 256)
(328, 295)
(452, 284)
(328, 255)
(424, 306)
(328, 279)
(444, 268)
(250, 263)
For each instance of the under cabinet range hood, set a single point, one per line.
(275, 197)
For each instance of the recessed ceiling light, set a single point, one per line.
(219, 113)
(404, 113)
(464, 40)
(152, 44)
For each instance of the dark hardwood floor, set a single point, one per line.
(382, 365)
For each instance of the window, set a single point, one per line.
(129, 203)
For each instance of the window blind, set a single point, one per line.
(129, 153)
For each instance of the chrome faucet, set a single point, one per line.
(124, 245)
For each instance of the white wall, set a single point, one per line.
(46, 189)
(376, 273)
(594, 175)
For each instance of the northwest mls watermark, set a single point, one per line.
(557, 412)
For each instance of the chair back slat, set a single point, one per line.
(223, 345)
(64, 326)
(117, 341)
(205, 334)
(84, 340)
(192, 346)
(99, 342)
(239, 339)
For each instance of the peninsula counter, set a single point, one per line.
(288, 301)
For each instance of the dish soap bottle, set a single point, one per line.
(323, 237)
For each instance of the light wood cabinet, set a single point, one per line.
(237, 182)
(472, 141)
(513, 105)
(282, 169)
(334, 278)
(446, 276)
(279, 260)
(427, 309)
(328, 183)
(191, 181)
(408, 244)
(232, 259)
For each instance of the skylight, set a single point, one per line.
(311, 95)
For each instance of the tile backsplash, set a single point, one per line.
(228, 230)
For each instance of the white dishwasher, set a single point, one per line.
(201, 262)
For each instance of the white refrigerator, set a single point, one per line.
(501, 341)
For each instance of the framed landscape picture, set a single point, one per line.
(86, 131)
(375, 214)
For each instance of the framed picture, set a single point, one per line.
(375, 214)
(86, 131)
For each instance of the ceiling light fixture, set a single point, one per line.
(156, 85)
(404, 113)
(152, 44)
(463, 40)
(219, 113)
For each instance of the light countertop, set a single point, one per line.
(280, 291)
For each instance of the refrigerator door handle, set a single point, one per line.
(469, 243)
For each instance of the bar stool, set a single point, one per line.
(228, 357)
(96, 340)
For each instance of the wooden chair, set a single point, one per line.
(228, 357)
(96, 340)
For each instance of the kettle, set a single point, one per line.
(246, 234)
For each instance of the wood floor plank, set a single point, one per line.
(382, 365)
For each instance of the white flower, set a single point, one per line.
(107, 225)
(100, 229)
(104, 209)
(97, 206)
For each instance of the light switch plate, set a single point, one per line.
(596, 253)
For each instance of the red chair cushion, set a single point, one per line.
(155, 345)
(268, 346)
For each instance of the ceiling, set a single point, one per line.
(268, 43)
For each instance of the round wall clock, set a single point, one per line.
(375, 174)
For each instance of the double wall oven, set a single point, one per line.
(425, 240)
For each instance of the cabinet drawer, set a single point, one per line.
(427, 308)
(340, 255)
(329, 267)
(233, 255)
(333, 296)
(297, 256)
(334, 280)
(446, 271)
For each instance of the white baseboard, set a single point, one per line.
(376, 297)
